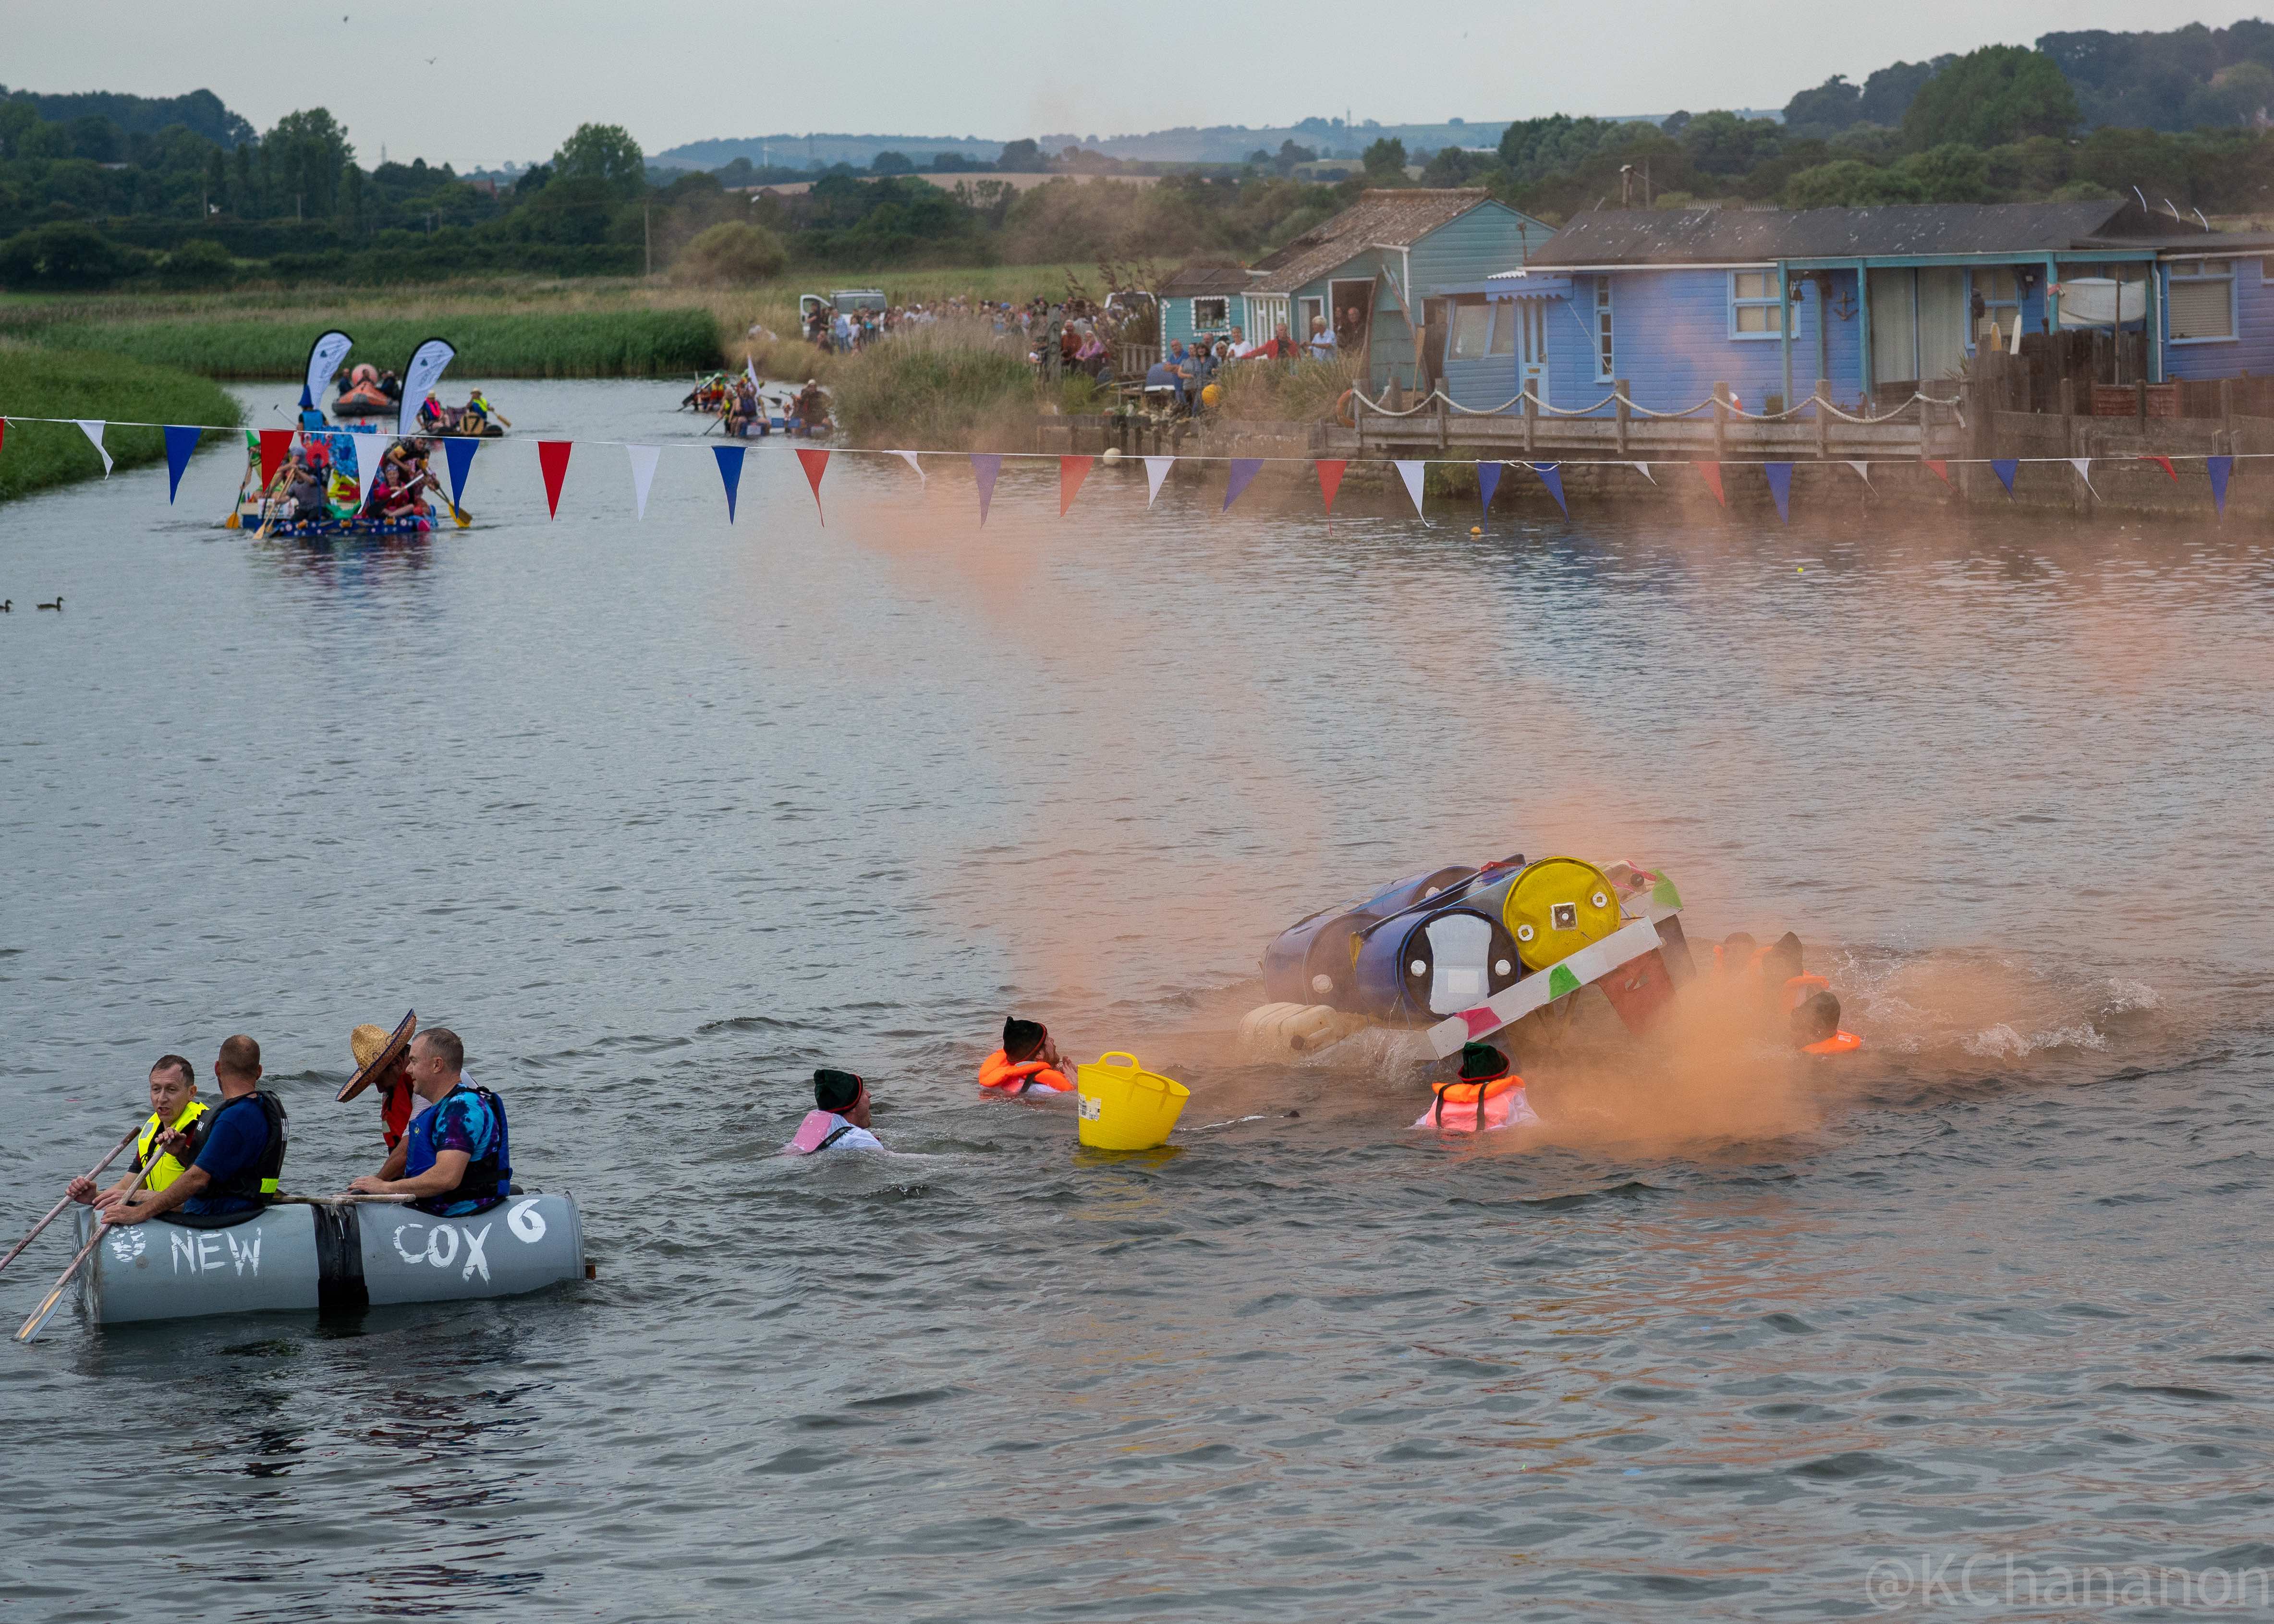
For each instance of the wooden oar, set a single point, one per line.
(47, 1304)
(55, 1211)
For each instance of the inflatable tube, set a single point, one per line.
(1428, 967)
(362, 401)
(296, 1257)
(1311, 961)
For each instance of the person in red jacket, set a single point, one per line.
(1027, 1063)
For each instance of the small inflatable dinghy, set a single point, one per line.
(294, 1257)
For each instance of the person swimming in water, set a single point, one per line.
(839, 1117)
(1816, 1027)
(1486, 1095)
(1027, 1063)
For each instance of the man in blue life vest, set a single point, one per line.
(170, 1139)
(236, 1172)
(457, 1159)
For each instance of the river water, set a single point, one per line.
(661, 814)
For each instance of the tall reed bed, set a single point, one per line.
(622, 343)
(42, 382)
(935, 388)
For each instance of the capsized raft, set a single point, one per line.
(296, 1257)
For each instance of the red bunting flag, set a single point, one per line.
(552, 458)
(1712, 476)
(4, 431)
(2168, 469)
(1941, 470)
(814, 460)
(275, 446)
(1071, 471)
(1330, 477)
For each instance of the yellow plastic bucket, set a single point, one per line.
(1121, 1106)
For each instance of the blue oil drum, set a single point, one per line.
(1423, 966)
(1310, 962)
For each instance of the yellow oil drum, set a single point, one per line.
(1557, 907)
(1121, 1106)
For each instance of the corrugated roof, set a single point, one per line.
(1641, 236)
(1205, 280)
(1391, 219)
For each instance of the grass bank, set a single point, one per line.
(40, 382)
(628, 343)
(936, 389)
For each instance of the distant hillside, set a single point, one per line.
(812, 151)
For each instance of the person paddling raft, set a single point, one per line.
(839, 1119)
(235, 1170)
(457, 1158)
(1027, 1063)
(174, 1134)
(1486, 1095)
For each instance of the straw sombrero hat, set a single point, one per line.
(375, 1050)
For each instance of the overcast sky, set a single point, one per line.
(508, 78)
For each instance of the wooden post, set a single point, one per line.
(1921, 403)
(1823, 398)
(1441, 419)
(1720, 422)
(1530, 423)
(2068, 414)
(1624, 407)
(2226, 412)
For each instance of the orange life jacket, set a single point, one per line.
(996, 1071)
(1467, 1105)
(1838, 1043)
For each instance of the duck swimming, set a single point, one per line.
(56, 605)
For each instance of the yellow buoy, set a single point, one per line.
(1476, 530)
(1121, 1106)
(1558, 905)
(1210, 394)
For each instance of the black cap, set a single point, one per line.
(1022, 1038)
(833, 1091)
(1481, 1063)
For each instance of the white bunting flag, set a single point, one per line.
(1644, 469)
(2083, 466)
(92, 429)
(1412, 472)
(909, 457)
(1863, 471)
(1157, 470)
(643, 458)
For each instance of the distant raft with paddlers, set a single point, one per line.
(1465, 951)
(368, 393)
(294, 1257)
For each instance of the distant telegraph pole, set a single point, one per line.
(647, 235)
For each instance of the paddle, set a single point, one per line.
(55, 1211)
(47, 1304)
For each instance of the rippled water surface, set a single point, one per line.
(659, 816)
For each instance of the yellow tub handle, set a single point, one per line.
(1121, 1054)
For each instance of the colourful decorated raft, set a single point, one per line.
(1465, 952)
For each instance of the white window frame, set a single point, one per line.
(1603, 330)
(1501, 340)
(1775, 301)
(1223, 324)
(2234, 334)
(1453, 330)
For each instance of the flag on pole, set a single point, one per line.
(814, 460)
(1157, 470)
(324, 357)
(1779, 477)
(1939, 469)
(458, 456)
(1412, 473)
(986, 465)
(551, 460)
(730, 473)
(911, 459)
(1551, 475)
(1071, 471)
(2218, 468)
(644, 461)
(1863, 471)
(1644, 469)
(92, 427)
(179, 443)
(1244, 470)
(2166, 465)
(420, 374)
(1488, 482)
(2006, 468)
(2083, 466)
(275, 446)
(1712, 473)
(1330, 471)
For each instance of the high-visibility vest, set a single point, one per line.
(168, 1170)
